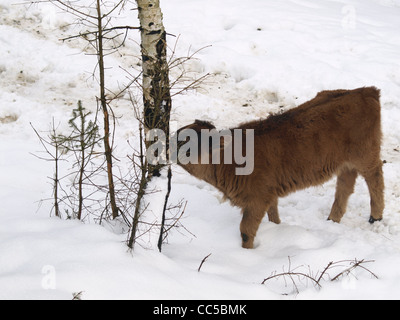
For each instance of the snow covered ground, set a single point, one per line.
(265, 56)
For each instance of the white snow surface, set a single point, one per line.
(264, 56)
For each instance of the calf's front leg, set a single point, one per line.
(252, 217)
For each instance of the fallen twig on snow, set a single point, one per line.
(317, 279)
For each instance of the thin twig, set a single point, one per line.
(202, 262)
(354, 265)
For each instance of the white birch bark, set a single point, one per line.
(156, 95)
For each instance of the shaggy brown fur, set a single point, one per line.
(337, 132)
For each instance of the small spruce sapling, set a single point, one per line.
(81, 142)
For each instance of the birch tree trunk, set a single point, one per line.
(156, 86)
(156, 102)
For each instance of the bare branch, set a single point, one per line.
(95, 33)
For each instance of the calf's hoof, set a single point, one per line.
(247, 243)
(333, 219)
(372, 219)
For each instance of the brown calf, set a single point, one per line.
(337, 132)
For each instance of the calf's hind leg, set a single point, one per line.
(374, 179)
(344, 188)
